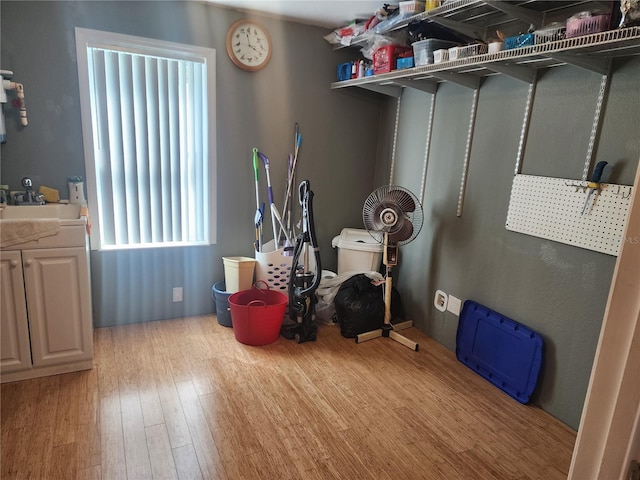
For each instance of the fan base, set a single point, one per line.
(390, 331)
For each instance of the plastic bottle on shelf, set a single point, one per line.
(368, 70)
(431, 4)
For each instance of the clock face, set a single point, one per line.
(248, 45)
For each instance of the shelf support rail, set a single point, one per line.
(427, 147)
(597, 121)
(526, 121)
(467, 153)
(395, 139)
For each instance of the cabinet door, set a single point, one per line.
(15, 353)
(58, 296)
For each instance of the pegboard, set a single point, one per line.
(551, 208)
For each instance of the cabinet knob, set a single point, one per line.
(27, 263)
(14, 263)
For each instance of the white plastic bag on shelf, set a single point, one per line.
(374, 42)
(345, 35)
(630, 10)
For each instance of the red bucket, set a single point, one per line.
(257, 315)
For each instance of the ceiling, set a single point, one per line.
(324, 13)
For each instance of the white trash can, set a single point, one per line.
(357, 251)
(238, 273)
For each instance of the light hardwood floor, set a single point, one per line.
(183, 399)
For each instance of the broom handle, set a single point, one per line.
(287, 198)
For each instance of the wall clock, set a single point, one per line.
(249, 45)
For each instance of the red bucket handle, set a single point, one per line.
(255, 286)
(262, 303)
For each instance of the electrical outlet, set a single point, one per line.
(177, 294)
(453, 305)
(440, 300)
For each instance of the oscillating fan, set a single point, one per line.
(393, 216)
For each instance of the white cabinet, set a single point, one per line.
(56, 286)
(16, 350)
(46, 319)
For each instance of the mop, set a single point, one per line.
(276, 219)
(259, 211)
(291, 179)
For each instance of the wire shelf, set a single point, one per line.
(612, 43)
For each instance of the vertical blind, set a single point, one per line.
(149, 124)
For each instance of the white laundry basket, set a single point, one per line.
(274, 268)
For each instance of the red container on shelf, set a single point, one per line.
(384, 58)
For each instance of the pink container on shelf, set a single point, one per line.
(576, 27)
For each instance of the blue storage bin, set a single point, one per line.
(406, 62)
(343, 71)
(519, 41)
(501, 350)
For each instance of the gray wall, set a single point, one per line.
(558, 290)
(253, 109)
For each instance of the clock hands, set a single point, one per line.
(239, 46)
(248, 39)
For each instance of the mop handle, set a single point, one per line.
(258, 216)
(293, 169)
(265, 160)
(285, 214)
(255, 174)
(272, 204)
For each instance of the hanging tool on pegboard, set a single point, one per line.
(593, 186)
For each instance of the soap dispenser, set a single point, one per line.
(76, 191)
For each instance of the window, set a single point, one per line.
(148, 116)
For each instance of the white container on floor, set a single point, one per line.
(357, 251)
(238, 273)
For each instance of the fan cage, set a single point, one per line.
(394, 210)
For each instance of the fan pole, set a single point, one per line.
(387, 297)
(390, 258)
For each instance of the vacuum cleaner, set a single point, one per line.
(303, 283)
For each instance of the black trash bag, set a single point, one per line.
(360, 306)
(422, 30)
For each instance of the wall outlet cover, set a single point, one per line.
(177, 294)
(453, 305)
(440, 300)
